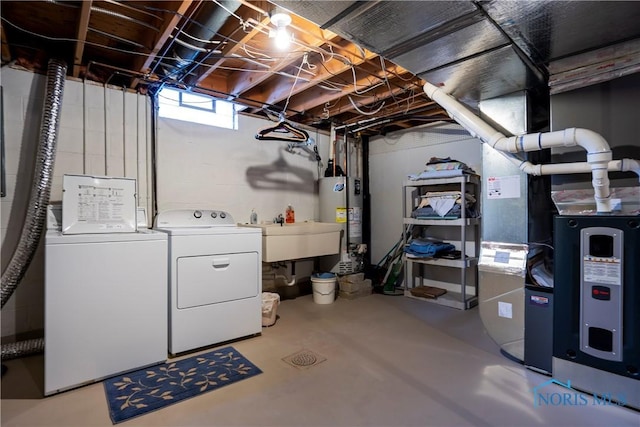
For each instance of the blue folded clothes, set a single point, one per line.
(427, 249)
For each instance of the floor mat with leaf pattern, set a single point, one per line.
(140, 392)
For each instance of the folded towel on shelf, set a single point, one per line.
(438, 167)
(428, 212)
(435, 174)
(442, 205)
(444, 202)
(455, 212)
(426, 248)
(456, 194)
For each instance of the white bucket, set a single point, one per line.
(324, 289)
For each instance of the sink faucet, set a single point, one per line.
(279, 220)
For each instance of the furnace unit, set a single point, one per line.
(596, 341)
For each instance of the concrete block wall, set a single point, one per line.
(200, 167)
(84, 146)
(233, 171)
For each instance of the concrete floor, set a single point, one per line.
(390, 361)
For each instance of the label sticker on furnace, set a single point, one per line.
(602, 270)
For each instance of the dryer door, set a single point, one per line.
(211, 279)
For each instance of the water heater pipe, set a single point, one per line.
(332, 138)
(598, 151)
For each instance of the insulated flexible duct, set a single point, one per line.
(38, 199)
(202, 29)
(22, 348)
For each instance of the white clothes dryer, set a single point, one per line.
(215, 278)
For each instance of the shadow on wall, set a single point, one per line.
(281, 176)
(29, 304)
(25, 168)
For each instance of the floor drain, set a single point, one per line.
(304, 359)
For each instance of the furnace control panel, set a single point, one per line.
(601, 295)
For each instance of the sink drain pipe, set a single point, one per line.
(284, 277)
(38, 201)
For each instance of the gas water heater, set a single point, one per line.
(341, 202)
(596, 336)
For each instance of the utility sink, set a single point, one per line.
(298, 240)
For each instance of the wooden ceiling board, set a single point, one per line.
(230, 50)
(81, 35)
(43, 18)
(171, 19)
(132, 43)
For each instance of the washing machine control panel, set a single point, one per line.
(183, 218)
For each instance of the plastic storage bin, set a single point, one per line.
(270, 302)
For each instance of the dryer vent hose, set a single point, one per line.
(39, 197)
(22, 348)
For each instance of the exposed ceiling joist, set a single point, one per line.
(169, 26)
(279, 90)
(231, 52)
(243, 81)
(332, 72)
(368, 98)
(81, 36)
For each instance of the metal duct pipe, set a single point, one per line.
(22, 348)
(205, 24)
(41, 189)
(598, 151)
(123, 16)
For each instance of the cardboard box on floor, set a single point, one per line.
(354, 286)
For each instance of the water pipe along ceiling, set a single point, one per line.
(355, 63)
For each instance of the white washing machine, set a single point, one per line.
(105, 305)
(215, 278)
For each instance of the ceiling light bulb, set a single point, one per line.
(282, 38)
(280, 19)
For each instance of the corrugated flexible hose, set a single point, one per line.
(38, 200)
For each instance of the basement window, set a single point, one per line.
(197, 101)
(196, 108)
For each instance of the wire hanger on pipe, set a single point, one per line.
(283, 131)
